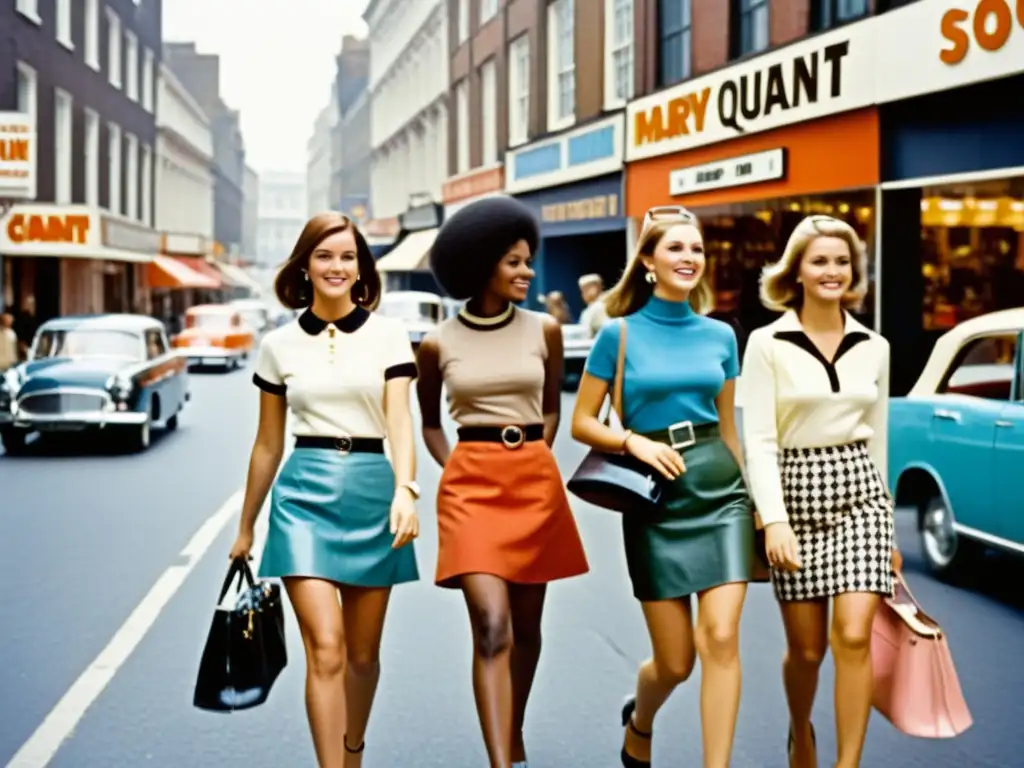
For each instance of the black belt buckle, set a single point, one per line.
(343, 445)
(681, 435)
(512, 437)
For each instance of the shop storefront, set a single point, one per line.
(574, 184)
(180, 277)
(752, 149)
(952, 125)
(405, 267)
(460, 191)
(18, 163)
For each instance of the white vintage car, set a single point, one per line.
(576, 343)
(420, 311)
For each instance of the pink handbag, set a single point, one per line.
(916, 686)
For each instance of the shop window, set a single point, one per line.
(749, 27)
(675, 53)
(826, 14)
(983, 368)
(972, 241)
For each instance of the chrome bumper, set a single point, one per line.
(72, 421)
(199, 354)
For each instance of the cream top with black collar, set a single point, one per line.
(333, 373)
(793, 397)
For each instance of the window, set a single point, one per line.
(131, 65)
(148, 73)
(831, 13)
(519, 91)
(114, 159)
(752, 26)
(113, 48)
(618, 52)
(29, 9)
(561, 64)
(489, 124)
(131, 173)
(147, 186)
(92, 33)
(462, 127)
(27, 80)
(62, 8)
(155, 345)
(62, 147)
(463, 22)
(675, 54)
(983, 368)
(488, 10)
(92, 158)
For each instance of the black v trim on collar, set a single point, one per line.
(802, 340)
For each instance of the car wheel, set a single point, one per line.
(172, 423)
(139, 438)
(943, 548)
(13, 441)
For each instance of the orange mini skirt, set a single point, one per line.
(504, 512)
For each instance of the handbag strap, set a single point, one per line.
(239, 567)
(620, 367)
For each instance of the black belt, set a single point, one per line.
(685, 434)
(510, 436)
(342, 444)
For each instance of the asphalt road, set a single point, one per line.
(84, 538)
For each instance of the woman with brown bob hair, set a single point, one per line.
(815, 422)
(342, 515)
(678, 417)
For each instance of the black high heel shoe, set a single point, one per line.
(628, 761)
(791, 742)
(349, 749)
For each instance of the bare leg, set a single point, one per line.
(320, 620)
(669, 624)
(487, 598)
(363, 610)
(806, 624)
(718, 641)
(851, 651)
(526, 602)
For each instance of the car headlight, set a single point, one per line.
(120, 387)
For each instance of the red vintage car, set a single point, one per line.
(215, 334)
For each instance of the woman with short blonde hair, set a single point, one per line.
(815, 421)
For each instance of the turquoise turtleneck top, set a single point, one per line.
(676, 364)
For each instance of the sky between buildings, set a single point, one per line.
(277, 64)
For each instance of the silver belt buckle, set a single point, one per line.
(344, 445)
(688, 436)
(512, 437)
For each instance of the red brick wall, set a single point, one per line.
(710, 34)
(788, 20)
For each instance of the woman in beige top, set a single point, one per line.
(504, 524)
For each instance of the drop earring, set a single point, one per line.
(305, 275)
(650, 277)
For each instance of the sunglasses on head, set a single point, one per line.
(667, 213)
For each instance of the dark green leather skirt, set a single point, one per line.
(704, 535)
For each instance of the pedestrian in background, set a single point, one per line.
(8, 342)
(679, 418)
(342, 516)
(815, 422)
(558, 307)
(594, 314)
(504, 523)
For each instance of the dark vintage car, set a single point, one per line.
(114, 373)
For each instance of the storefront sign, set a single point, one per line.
(733, 172)
(48, 228)
(821, 76)
(587, 207)
(475, 183)
(428, 216)
(583, 153)
(944, 44)
(125, 236)
(598, 207)
(17, 156)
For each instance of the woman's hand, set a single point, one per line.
(897, 561)
(782, 548)
(663, 458)
(405, 524)
(242, 546)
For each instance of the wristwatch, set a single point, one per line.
(413, 487)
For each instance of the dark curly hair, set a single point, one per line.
(291, 286)
(473, 241)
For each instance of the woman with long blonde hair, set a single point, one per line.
(815, 416)
(678, 415)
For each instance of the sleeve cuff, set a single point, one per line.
(267, 386)
(400, 371)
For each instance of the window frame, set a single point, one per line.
(131, 65)
(115, 49)
(825, 14)
(489, 112)
(463, 159)
(31, 77)
(559, 13)
(115, 172)
(613, 46)
(967, 346)
(92, 157)
(519, 73)
(743, 13)
(63, 147)
(30, 10)
(64, 30)
(488, 10)
(683, 33)
(91, 41)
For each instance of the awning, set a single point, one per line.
(238, 277)
(410, 254)
(168, 273)
(203, 267)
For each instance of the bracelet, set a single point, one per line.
(625, 439)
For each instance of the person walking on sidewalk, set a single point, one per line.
(8, 342)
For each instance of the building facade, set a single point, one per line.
(86, 73)
(250, 213)
(318, 159)
(281, 217)
(352, 150)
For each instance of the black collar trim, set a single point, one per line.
(350, 323)
(477, 323)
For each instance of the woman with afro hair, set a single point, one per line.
(505, 528)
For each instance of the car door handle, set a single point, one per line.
(947, 415)
(1004, 423)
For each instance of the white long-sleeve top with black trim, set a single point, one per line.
(794, 397)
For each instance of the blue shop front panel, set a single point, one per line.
(978, 128)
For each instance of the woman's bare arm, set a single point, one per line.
(265, 459)
(428, 391)
(587, 428)
(401, 437)
(553, 374)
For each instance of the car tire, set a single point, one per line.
(172, 423)
(138, 439)
(945, 551)
(13, 441)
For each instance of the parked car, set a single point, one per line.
(420, 311)
(215, 334)
(576, 343)
(255, 312)
(956, 442)
(114, 373)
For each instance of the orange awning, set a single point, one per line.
(203, 267)
(165, 272)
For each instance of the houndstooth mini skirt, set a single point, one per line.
(842, 516)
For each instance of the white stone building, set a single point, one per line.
(281, 215)
(408, 90)
(319, 159)
(184, 161)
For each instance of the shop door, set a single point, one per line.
(47, 288)
(114, 293)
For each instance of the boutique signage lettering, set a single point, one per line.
(734, 172)
(825, 75)
(17, 155)
(988, 25)
(51, 229)
(599, 207)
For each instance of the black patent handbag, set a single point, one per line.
(615, 481)
(245, 649)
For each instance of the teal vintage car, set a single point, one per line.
(956, 443)
(114, 373)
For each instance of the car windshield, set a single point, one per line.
(81, 342)
(411, 310)
(211, 321)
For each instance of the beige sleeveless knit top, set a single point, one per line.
(493, 368)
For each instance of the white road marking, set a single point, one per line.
(60, 723)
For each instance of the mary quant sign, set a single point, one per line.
(822, 76)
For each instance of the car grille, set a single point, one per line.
(55, 403)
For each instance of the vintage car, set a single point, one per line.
(255, 312)
(215, 334)
(115, 373)
(576, 344)
(420, 311)
(956, 443)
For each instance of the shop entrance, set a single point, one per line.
(566, 259)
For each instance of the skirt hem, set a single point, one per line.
(452, 581)
(702, 588)
(831, 595)
(342, 581)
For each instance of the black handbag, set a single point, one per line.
(245, 649)
(615, 481)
